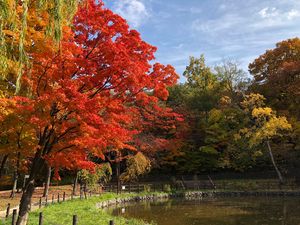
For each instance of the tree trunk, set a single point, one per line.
(274, 163)
(284, 214)
(3, 164)
(47, 183)
(81, 190)
(118, 175)
(84, 190)
(75, 183)
(16, 177)
(25, 203)
(15, 183)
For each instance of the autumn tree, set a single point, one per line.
(23, 28)
(277, 76)
(263, 126)
(24, 25)
(84, 94)
(210, 101)
(136, 166)
(158, 124)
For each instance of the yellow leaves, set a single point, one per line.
(136, 165)
(274, 126)
(252, 101)
(243, 133)
(5, 106)
(278, 123)
(267, 124)
(225, 100)
(262, 112)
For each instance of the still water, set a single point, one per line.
(219, 211)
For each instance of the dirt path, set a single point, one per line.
(54, 190)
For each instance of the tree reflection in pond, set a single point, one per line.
(221, 211)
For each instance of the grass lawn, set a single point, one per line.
(86, 211)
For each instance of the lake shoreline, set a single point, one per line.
(195, 195)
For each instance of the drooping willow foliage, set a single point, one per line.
(21, 22)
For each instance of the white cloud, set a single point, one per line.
(293, 13)
(246, 31)
(275, 18)
(189, 10)
(275, 15)
(134, 11)
(268, 12)
(218, 28)
(235, 22)
(226, 22)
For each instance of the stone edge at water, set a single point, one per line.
(193, 195)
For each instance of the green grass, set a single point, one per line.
(86, 211)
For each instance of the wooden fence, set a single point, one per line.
(45, 202)
(41, 219)
(244, 185)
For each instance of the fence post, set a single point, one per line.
(111, 222)
(58, 200)
(129, 189)
(7, 210)
(64, 196)
(14, 217)
(52, 198)
(40, 202)
(74, 219)
(41, 218)
(46, 200)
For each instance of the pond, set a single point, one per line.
(218, 211)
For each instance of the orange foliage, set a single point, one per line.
(87, 97)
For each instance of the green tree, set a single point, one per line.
(195, 99)
(233, 79)
(101, 174)
(199, 75)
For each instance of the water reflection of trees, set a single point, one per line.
(229, 211)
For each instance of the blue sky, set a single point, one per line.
(220, 29)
